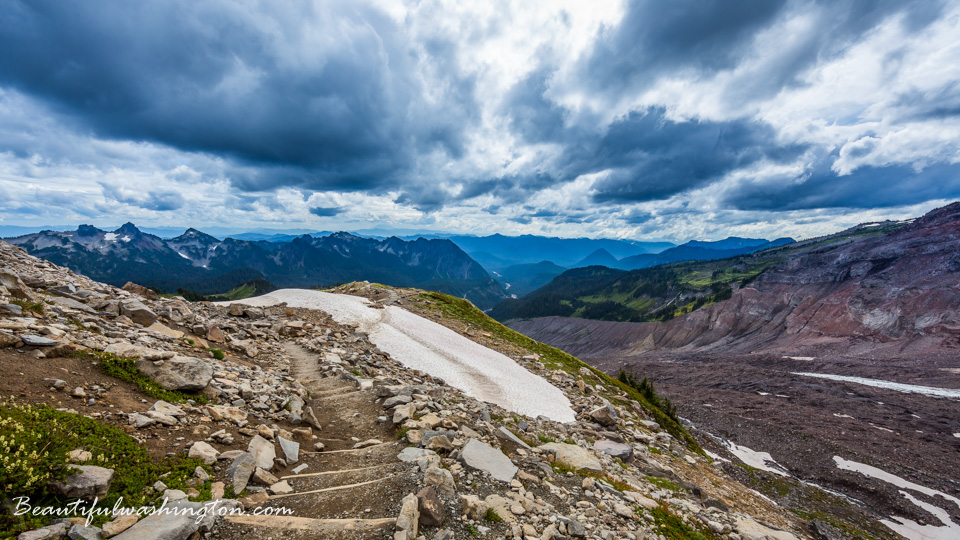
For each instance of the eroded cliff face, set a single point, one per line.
(894, 295)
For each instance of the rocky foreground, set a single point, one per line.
(270, 408)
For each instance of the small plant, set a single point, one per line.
(664, 483)
(217, 353)
(544, 439)
(402, 432)
(190, 341)
(35, 440)
(126, 369)
(492, 516)
(33, 307)
(672, 527)
(472, 530)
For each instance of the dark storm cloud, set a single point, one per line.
(866, 187)
(334, 106)
(706, 36)
(326, 211)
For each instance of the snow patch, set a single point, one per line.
(110, 237)
(125, 238)
(932, 391)
(757, 460)
(905, 527)
(838, 415)
(182, 255)
(424, 345)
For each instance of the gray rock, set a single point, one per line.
(11, 309)
(82, 532)
(176, 523)
(506, 435)
(204, 452)
(409, 518)
(573, 456)
(240, 471)
(413, 454)
(290, 449)
(403, 412)
(178, 373)
(16, 287)
(38, 341)
(263, 452)
(576, 529)
(441, 480)
(310, 418)
(57, 530)
(614, 449)
(140, 421)
(481, 456)
(605, 416)
(87, 482)
(166, 408)
(138, 312)
(396, 400)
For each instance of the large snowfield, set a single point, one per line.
(424, 345)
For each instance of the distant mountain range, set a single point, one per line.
(693, 250)
(204, 264)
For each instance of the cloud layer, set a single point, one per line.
(639, 119)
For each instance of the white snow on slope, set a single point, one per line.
(424, 345)
(905, 527)
(759, 460)
(933, 391)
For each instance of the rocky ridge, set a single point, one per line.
(286, 408)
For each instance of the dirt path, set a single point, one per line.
(344, 493)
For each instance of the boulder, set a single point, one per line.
(204, 452)
(432, 513)
(507, 435)
(290, 449)
(38, 341)
(140, 290)
(441, 480)
(165, 330)
(138, 312)
(86, 482)
(240, 470)
(749, 529)
(168, 409)
(178, 373)
(263, 452)
(16, 287)
(409, 518)
(83, 532)
(57, 530)
(481, 456)
(7, 340)
(624, 452)
(117, 526)
(605, 416)
(573, 456)
(473, 506)
(178, 521)
(215, 334)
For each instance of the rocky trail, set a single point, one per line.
(354, 488)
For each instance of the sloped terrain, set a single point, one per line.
(281, 388)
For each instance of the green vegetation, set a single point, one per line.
(645, 387)
(672, 527)
(545, 439)
(553, 358)
(256, 287)
(217, 353)
(663, 483)
(472, 530)
(492, 516)
(126, 369)
(30, 307)
(35, 440)
(402, 432)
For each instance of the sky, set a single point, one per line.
(670, 120)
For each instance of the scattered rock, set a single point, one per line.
(481, 456)
(87, 482)
(432, 513)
